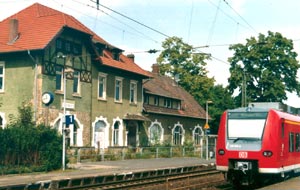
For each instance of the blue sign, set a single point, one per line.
(69, 119)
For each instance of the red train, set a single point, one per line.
(257, 143)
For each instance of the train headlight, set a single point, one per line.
(221, 152)
(267, 153)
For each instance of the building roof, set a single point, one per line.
(38, 25)
(166, 87)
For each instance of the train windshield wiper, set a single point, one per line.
(245, 138)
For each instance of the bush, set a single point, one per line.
(29, 148)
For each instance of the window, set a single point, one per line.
(100, 135)
(76, 84)
(133, 92)
(291, 142)
(116, 56)
(102, 86)
(75, 134)
(246, 125)
(118, 89)
(177, 135)
(59, 78)
(197, 136)
(2, 76)
(156, 101)
(155, 133)
(167, 103)
(146, 99)
(68, 46)
(59, 44)
(297, 143)
(116, 133)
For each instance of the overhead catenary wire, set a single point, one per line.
(133, 20)
(211, 31)
(250, 26)
(141, 34)
(226, 14)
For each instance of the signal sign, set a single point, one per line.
(206, 126)
(69, 119)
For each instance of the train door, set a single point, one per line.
(282, 142)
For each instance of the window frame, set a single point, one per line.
(2, 65)
(133, 92)
(156, 100)
(291, 142)
(116, 133)
(59, 76)
(118, 89)
(197, 136)
(178, 136)
(104, 77)
(76, 83)
(167, 103)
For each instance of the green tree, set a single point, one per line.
(221, 100)
(178, 59)
(264, 69)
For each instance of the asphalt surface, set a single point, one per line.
(89, 169)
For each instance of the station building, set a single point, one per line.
(114, 102)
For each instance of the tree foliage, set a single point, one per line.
(222, 100)
(179, 59)
(265, 68)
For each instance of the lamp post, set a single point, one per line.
(206, 127)
(66, 71)
(207, 102)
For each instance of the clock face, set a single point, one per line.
(47, 98)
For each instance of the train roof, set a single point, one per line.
(281, 114)
(249, 109)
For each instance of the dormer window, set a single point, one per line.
(167, 103)
(68, 46)
(156, 100)
(116, 56)
(59, 44)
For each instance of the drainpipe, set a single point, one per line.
(35, 87)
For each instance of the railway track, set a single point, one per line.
(168, 179)
(179, 178)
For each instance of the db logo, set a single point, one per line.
(243, 154)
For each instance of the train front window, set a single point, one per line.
(246, 125)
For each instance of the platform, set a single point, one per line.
(89, 169)
(290, 184)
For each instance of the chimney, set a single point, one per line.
(155, 68)
(131, 56)
(13, 31)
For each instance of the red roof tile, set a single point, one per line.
(39, 24)
(125, 63)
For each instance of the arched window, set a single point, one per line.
(100, 126)
(99, 134)
(116, 133)
(197, 136)
(177, 135)
(155, 134)
(75, 134)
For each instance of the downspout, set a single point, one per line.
(35, 87)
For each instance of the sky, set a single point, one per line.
(137, 26)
